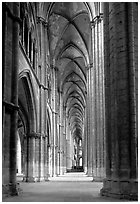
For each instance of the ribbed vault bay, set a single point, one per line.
(70, 45)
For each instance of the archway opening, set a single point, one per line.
(19, 157)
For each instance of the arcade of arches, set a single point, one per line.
(70, 93)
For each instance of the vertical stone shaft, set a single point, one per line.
(97, 114)
(42, 94)
(100, 97)
(85, 141)
(61, 135)
(90, 136)
(97, 98)
(94, 157)
(68, 147)
(91, 117)
(93, 103)
(53, 122)
(64, 139)
(120, 83)
(10, 94)
(103, 96)
(45, 114)
(31, 158)
(107, 89)
(14, 100)
(133, 76)
(14, 95)
(56, 115)
(88, 122)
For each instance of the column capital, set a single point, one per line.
(54, 112)
(33, 135)
(41, 20)
(54, 67)
(36, 49)
(36, 135)
(10, 106)
(11, 14)
(96, 20)
(64, 107)
(89, 66)
(43, 87)
(60, 91)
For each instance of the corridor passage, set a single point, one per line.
(71, 187)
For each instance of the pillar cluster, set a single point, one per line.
(120, 39)
(95, 104)
(10, 95)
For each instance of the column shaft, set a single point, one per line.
(119, 60)
(10, 95)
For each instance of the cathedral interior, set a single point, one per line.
(70, 94)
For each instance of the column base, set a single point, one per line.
(89, 172)
(46, 179)
(29, 179)
(41, 179)
(61, 171)
(97, 179)
(35, 179)
(122, 189)
(11, 189)
(85, 170)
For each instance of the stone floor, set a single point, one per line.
(72, 187)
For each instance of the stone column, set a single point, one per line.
(46, 155)
(54, 71)
(68, 147)
(32, 52)
(28, 43)
(53, 122)
(64, 139)
(56, 120)
(98, 113)
(10, 95)
(41, 158)
(89, 123)
(97, 95)
(61, 136)
(42, 54)
(71, 148)
(133, 75)
(31, 151)
(36, 61)
(22, 34)
(93, 101)
(119, 66)
(85, 142)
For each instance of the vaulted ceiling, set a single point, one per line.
(69, 34)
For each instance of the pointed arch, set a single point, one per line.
(25, 81)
